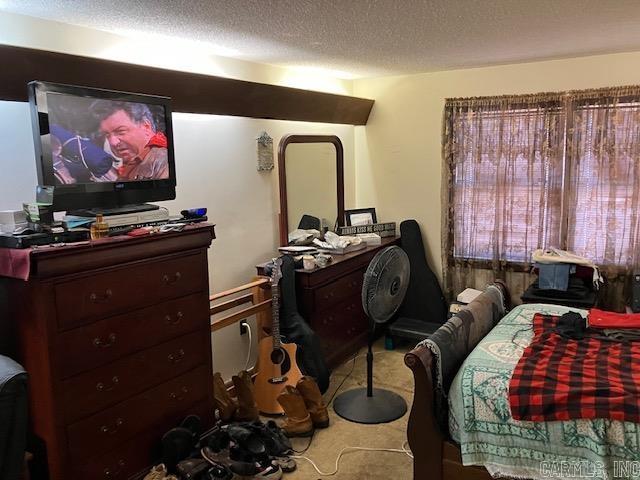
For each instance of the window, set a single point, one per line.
(603, 192)
(545, 170)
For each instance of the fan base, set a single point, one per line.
(383, 407)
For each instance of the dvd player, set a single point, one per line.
(39, 239)
(133, 218)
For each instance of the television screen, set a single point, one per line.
(103, 140)
(102, 148)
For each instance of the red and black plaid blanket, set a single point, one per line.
(559, 378)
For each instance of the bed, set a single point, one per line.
(482, 439)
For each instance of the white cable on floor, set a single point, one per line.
(406, 449)
(246, 364)
(345, 449)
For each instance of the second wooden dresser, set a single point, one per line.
(330, 300)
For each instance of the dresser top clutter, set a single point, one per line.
(44, 261)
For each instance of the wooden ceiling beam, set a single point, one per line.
(190, 92)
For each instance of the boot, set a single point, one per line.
(159, 472)
(298, 422)
(247, 407)
(310, 391)
(224, 403)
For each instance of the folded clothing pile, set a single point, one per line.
(563, 278)
(618, 326)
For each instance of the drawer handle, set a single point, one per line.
(172, 280)
(108, 473)
(101, 387)
(328, 296)
(95, 298)
(179, 396)
(177, 358)
(112, 430)
(173, 321)
(99, 343)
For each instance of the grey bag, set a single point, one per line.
(13, 418)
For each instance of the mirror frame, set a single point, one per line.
(282, 176)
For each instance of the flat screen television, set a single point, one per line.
(102, 149)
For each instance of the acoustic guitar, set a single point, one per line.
(277, 365)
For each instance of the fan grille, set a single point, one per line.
(385, 284)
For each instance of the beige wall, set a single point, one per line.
(216, 156)
(398, 152)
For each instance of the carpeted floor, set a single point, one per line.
(389, 372)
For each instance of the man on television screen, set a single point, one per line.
(131, 132)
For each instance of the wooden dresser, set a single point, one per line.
(330, 300)
(115, 338)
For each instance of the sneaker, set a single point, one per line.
(217, 439)
(193, 423)
(219, 472)
(247, 440)
(159, 472)
(275, 441)
(177, 445)
(223, 457)
(286, 463)
(269, 471)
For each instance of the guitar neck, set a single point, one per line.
(275, 323)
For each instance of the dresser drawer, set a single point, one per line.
(81, 300)
(134, 455)
(160, 405)
(335, 292)
(340, 325)
(104, 341)
(92, 391)
(341, 322)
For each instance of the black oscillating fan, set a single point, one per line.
(385, 284)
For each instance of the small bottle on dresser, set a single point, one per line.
(99, 228)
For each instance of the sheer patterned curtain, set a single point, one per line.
(531, 171)
(603, 188)
(504, 172)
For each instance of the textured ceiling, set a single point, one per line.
(367, 37)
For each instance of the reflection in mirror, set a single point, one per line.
(311, 175)
(311, 186)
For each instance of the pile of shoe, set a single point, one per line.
(240, 445)
(302, 404)
(240, 450)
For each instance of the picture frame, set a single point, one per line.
(360, 216)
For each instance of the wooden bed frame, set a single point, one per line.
(435, 455)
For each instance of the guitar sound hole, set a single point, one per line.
(281, 357)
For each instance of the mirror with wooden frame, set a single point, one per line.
(311, 173)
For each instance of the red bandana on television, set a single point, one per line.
(158, 140)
